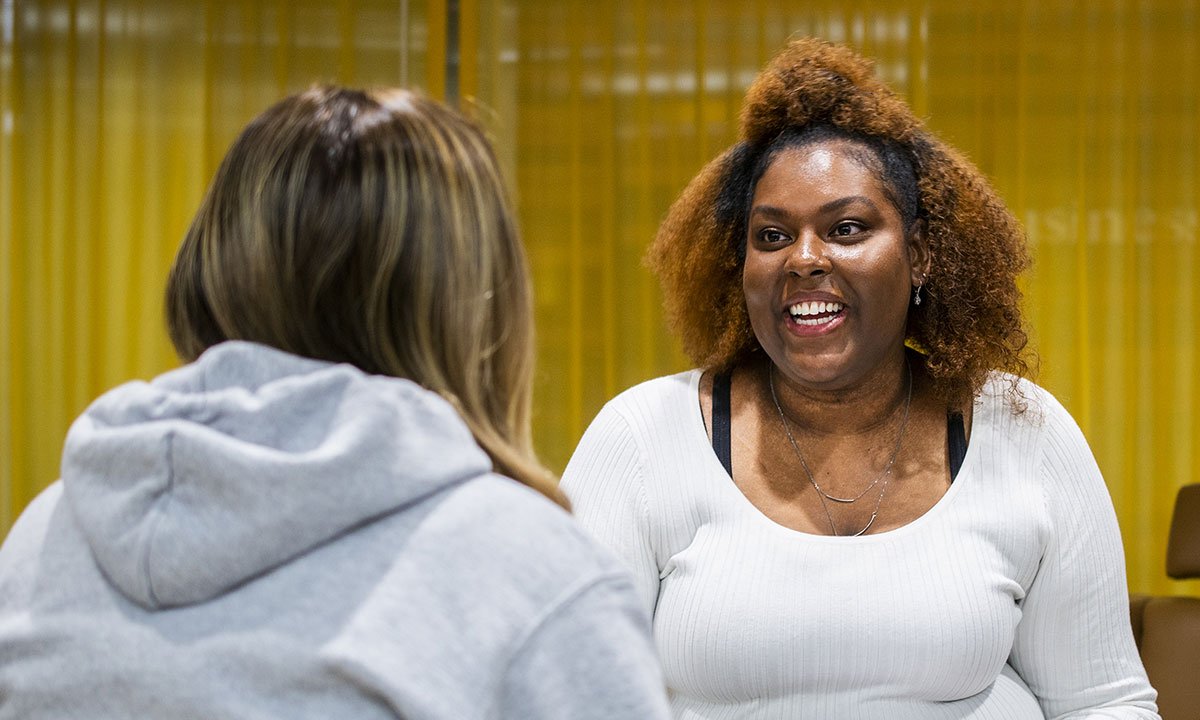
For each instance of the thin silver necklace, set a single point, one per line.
(883, 476)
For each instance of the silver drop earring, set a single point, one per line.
(917, 290)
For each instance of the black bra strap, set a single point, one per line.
(956, 443)
(721, 420)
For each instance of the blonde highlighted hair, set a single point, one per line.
(371, 228)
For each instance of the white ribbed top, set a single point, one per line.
(1007, 599)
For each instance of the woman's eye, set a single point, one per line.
(772, 236)
(847, 228)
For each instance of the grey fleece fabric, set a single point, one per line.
(258, 535)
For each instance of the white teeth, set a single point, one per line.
(805, 309)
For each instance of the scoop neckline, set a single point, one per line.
(965, 477)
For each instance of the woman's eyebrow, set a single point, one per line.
(773, 211)
(770, 211)
(841, 203)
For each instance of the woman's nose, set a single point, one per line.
(808, 257)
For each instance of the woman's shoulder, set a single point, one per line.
(652, 411)
(665, 392)
(654, 432)
(490, 529)
(1021, 398)
(24, 544)
(1028, 415)
(508, 519)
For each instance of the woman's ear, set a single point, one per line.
(918, 253)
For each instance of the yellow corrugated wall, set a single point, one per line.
(1085, 114)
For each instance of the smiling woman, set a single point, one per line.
(817, 208)
(856, 506)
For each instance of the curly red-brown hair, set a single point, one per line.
(970, 322)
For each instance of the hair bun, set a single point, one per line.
(814, 82)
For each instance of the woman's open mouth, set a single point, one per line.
(815, 314)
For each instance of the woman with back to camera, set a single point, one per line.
(857, 508)
(311, 518)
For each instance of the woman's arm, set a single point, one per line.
(1074, 647)
(605, 484)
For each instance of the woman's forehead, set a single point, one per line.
(825, 166)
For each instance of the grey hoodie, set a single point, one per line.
(258, 535)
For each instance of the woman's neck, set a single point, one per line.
(857, 408)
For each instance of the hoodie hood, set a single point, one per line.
(212, 474)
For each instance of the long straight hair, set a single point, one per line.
(371, 228)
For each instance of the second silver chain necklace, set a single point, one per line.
(812, 479)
